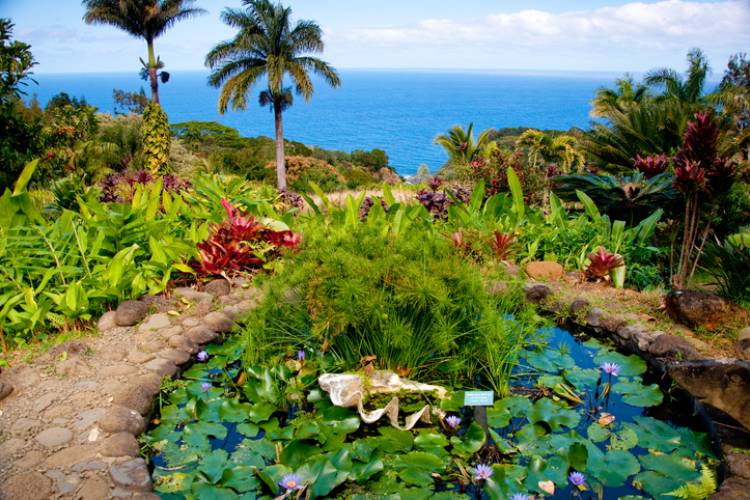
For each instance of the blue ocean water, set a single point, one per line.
(398, 111)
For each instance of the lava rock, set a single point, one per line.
(121, 419)
(218, 321)
(671, 346)
(130, 312)
(132, 475)
(537, 294)
(694, 308)
(122, 444)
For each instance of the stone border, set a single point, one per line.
(722, 384)
(158, 345)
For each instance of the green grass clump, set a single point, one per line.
(408, 298)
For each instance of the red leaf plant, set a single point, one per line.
(241, 243)
(602, 262)
(502, 244)
(651, 166)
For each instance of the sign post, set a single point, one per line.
(480, 400)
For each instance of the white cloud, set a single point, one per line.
(660, 25)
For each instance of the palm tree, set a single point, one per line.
(627, 94)
(147, 19)
(461, 146)
(268, 45)
(563, 150)
(688, 90)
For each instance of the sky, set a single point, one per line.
(545, 35)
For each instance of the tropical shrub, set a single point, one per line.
(156, 138)
(301, 170)
(727, 263)
(361, 289)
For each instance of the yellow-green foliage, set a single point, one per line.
(156, 138)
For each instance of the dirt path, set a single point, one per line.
(69, 428)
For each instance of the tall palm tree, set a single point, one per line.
(267, 44)
(147, 19)
(688, 90)
(461, 146)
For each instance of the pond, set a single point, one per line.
(582, 420)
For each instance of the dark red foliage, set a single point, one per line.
(502, 244)
(698, 166)
(651, 166)
(241, 243)
(602, 262)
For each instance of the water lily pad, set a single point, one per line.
(655, 484)
(394, 440)
(672, 466)
(655, 434)
(428, 439)
(598, 433)
(549, 360)
(248, 429)
(261, 412)
(240, 478)
(554, 414)
(470, 442)
(624, 440)
(637, 394)
(582, 378)
(504, 410)
(416, 467)
(296, 452)
(212, 465)
(614, 467)
(629, 365)
(232, 410)
(202, 490)
(173, 482)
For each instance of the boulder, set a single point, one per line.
(218, 287)
(544, 270)
(130, 312)
(671, 346)
(537, 294)
(193, 295)
(107, 322)
(694, 308)
(743, 341)
(722, 384)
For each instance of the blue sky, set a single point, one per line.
(552, 35)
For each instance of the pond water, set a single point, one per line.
(565, 414)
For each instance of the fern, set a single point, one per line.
(704, 488)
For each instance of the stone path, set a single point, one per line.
(69, 428)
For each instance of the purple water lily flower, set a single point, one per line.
(611, 369)
(291, 482)
(202, 356)
(205, 386)
(519, 496)
(301, 355)
(576, 478)
(482, 472)
(452, 421)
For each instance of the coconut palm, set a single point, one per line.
(461, 146)
(688, 90)
(267, 44)
(146, 19)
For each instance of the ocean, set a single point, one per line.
(398, 111)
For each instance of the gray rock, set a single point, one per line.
(122, 444)
(670, 346)
(537, 293)
(578, 306)
(134, 397)
(92, 465)
(190, 322)
(149, 383)
(54, 436)
(88, 418)
(44, 402)
(183, 344)
(107, 322)
(201, 335)
(193, 295)
(24, 426)
(30, 460)
(121, 419)
(130, 312)
(150, 344)
(64, 484)
(168, 333)
(162, 367)
(132, 475)
(175, 356)
(723, 384)
(218, 321)
(218, 287)
(154, 322)
(644, 338)
(594, 317)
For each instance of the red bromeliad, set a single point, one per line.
(501, 244)
(651, 166)
(241, 243)
(602, 262)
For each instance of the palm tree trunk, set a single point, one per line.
(152, 72)
(280, 167)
